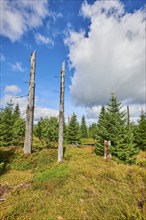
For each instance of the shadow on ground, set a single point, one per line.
(6, 155)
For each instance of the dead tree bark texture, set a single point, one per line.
(61, 114)
(30, 106)
(107, 154)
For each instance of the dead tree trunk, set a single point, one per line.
(61, 114)
(128, 118)
(107, 154)
(30, 106)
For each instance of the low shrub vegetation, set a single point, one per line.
(84, 186)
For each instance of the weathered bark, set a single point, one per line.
(128, 117)
(30, 106)
(61, 114)
(107, 154)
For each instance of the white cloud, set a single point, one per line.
(111, 58)
(20, 16)
(134, 109)
(45, 113)
(2, 57)
(115, 8)
(17, 67)
(93, 112)
(40, 39)
(23, 101)
(12, 89)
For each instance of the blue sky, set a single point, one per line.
(102, 43)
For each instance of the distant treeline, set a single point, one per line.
(126, 137)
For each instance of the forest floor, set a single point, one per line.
(83, 187)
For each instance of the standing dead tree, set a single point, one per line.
(128, 118)
(107, 154)
(30, 106)
(61, 114)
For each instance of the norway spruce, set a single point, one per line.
(11, 126)
(112, 126)
(84, 131)
(93, 131)
(18, 127)
(47, 130)
(101, 133)
(7, 122)
(73, 131)
(141, 132)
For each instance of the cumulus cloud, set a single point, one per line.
(40, 39)
(93, 112)
(20, 16)
(39, 111)
(110, 57)
(12, 89)
(21, 101)
(134, 110)
(45, 113)
(17, 67)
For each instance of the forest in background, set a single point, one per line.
(84, 185)
(127, 138)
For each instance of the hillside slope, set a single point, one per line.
(84, 186)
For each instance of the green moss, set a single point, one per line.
(61, 171)
(84, 186)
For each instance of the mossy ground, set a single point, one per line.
(84, 186)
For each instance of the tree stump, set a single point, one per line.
(107, 154)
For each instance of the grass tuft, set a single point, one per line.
(83, 187)
(60, 171)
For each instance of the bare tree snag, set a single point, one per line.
(107, 154)
(61, 114)
(30, 106)
(128, 117)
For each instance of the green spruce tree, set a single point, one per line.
(93, 131)
(83, 127)
(1, 127)
(6, 128)
(18, 127)
(141, 132)
(52, 129)
(16, 112)
(47, 131)
(115, 121)
(101, 132)
(38, 130)
(73, 131)
(18, 132)
(113, 127)
(12, 126)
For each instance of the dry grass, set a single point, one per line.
(83, 187)
(141, 159)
